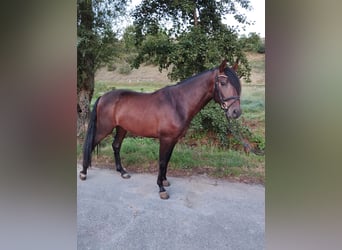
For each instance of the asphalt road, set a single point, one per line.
(201, 213)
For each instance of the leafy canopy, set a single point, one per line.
(96, 40)
(188, 35)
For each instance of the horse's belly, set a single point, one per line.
(141, 126)
(143, 131)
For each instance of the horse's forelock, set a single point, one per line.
(234, 79)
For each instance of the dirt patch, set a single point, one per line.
(146, 73)
(257, 61)
(151, 74)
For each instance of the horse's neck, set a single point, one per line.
(197, 92)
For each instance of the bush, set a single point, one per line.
(230, 132)
(253, 43)
(111, 67)
(212, 119)
(124, 69)
(261, 48)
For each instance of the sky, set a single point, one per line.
(257, 15)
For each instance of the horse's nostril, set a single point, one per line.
(236, 113)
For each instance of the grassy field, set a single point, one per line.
(198, 154)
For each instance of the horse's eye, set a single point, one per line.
(223, 83)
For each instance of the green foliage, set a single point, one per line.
(253, 43)
(96, 39)
(212, 119)
(124, 69)
(129, 39)
(142, 153)
(197, 51)
(196, 41)
(183, 15)
(193, 52)
(155, 49)
(111, 66)
(259, 140)
(189, 54)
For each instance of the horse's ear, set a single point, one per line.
(223, 65)
(236, 65)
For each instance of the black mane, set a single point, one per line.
(230, 73)
(192, 77)
(233, 79)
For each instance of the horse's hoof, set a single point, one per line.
(125, 176)
(166, 183)
(83, 176)
(164, 195)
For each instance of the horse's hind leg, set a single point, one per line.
(98, 138)
(99, 127)
(165, 152)
(119, 137)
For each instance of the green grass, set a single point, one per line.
(137, 152)
(253, 104)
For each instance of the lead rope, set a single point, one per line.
(236, 132)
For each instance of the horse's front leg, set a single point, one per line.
(165, 152)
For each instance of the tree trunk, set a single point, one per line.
(86, 65)
(84, 96)
(195, 17)
(84, 100)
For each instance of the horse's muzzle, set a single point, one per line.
(233, 113)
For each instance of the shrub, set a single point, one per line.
(111, 67)
(230, 132)
(212, 119)
(261, 48)
(253, 43)
(124, 69)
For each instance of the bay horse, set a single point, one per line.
(164, 114)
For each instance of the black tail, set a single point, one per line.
(88, 145)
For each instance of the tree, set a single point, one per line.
(129, 39)
(96, 44)
(188, 35)
(253, 43)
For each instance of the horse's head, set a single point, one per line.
(227, 90)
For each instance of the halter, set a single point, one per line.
(222, 100)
